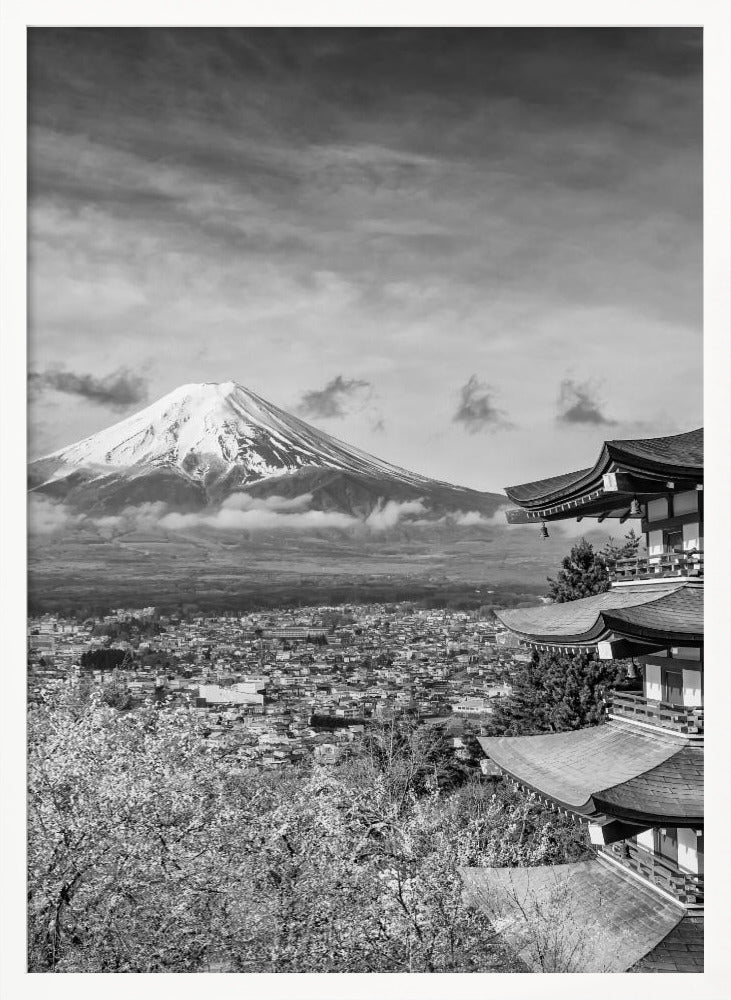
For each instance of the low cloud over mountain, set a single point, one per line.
(240, 512)
(215, 454)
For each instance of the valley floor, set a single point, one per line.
(224, 570)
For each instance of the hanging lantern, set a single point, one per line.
(634, 508)
(544, 530)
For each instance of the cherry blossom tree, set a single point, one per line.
(152, 851)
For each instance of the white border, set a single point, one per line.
(715, 17)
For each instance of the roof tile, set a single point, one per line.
(579, 917)
(615, 768)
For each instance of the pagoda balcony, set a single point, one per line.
(636, 706)
(685, 887)
(662, 566)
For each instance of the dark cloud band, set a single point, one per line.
(116, 390)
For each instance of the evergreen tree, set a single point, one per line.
(583, 573)
(554, 692)
(626, 549)
(103, 659)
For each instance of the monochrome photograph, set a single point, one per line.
(365, 501)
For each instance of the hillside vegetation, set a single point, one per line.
(149, 851)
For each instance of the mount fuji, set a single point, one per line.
(200, 443)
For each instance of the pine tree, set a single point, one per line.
(583, 573)
(627, 549)
(554, 692)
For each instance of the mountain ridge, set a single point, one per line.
(200, 443)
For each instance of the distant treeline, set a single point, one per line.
(447, 596)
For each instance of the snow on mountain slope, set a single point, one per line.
(206, 427)
(202, 442)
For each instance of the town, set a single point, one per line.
(278, 687)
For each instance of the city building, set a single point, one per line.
(236, 694)
(637, 779)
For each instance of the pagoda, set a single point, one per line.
(636, 780)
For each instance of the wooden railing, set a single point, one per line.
(632, 705)
(667, 564)
(686, 887)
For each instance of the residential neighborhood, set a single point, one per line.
(274, 688)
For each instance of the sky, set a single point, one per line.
(474, 253)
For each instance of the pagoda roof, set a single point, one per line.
(615, 769)
(654, 613)
(647, 465)
(680, 951)
(608, 921)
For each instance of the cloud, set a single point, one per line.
(336, 399)
(476, 410)
(388, 515)
(117, 390)
(143, 517)
(578, 404)
(243, 512)
(244, 501)
(466, 519)
(258, 519)
(47, 516)
(257, 195)
(239, 512)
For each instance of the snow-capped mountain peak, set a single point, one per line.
(209, 427)
(203, 441)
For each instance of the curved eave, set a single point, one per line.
(613, 769)
(636, 627)
(582, 492)
(669, 614)
(585, 809)
(672, 792)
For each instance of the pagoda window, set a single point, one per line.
(653, 681)
(657, 509)
(685, 503)
(666, 843)
(672, 686)
(690, 850)
(678, 680)
(655, 543)
(672, 540)
(692, 536)
(646, 840)
(693, 688)
(686, 653)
